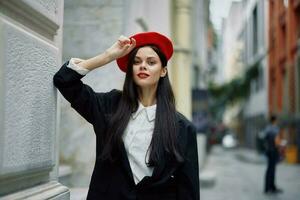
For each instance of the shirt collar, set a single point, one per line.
(150, 110)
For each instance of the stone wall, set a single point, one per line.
(30, 51)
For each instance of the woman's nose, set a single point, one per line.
(143, 66)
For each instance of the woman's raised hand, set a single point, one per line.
(122, 47)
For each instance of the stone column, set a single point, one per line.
(181, 64)
(30, 53)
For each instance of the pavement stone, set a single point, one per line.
(78, 193)
(240, 176)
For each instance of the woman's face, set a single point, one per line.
(147, 68)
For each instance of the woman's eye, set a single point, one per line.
(136, 62)
(151, 62)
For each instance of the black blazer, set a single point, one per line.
(114, 180)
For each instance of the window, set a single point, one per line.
(298, 83)
(255, 31)
(258, 83)
(196, 75)
(286, 3)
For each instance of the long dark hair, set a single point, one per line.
(164, 140)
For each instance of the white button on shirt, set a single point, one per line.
(137, 136)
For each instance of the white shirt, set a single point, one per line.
(137, 136)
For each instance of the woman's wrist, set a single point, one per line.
(97, 61)
(108, 56)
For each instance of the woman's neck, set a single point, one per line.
(147, 96)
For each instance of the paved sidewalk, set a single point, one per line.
(78, 193)
(239, 175)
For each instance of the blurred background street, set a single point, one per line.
(239, 174)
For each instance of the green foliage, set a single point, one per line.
(234, 91)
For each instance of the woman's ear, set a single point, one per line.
(163, 72)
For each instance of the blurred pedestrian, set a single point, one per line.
(145, 149)
(272, 152)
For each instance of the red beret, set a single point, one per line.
(148, 38)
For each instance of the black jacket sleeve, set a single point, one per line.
(188, 185)
(89, 104)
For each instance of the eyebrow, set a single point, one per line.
(147, 57)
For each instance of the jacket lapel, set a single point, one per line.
(125, 164)
(168, 166)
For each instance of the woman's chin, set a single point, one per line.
(142, 84)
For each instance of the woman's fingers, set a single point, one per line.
(123, 46)
(128, 47)
(131, 45)
(123, 40)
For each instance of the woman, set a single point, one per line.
(145, 149)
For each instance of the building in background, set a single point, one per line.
(232, 43)
(233, 65)
(230, 64)
(244, 44)
(200, 71)
(255, 42)
(30, 53)
(201, 63)
(265, 34)
(284, 69)
(200, 43)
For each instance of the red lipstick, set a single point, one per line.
(142, 75)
